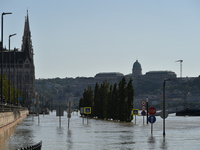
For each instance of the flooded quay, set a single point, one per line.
(181, 133)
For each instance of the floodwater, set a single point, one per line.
(181, 133)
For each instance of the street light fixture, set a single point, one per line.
(9, 68)
(2, 54)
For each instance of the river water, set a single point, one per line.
(181, 133)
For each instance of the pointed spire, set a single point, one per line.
(26, 26)
(26, 39)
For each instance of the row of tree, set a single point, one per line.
(110, 101)
(13, 95)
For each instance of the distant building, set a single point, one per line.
(22, 65)
(137, 69)
(155, 77)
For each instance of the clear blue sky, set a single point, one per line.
(74, 38)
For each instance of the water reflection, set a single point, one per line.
(100, 134)
(24, 134)
(163, 143)
(69, 139)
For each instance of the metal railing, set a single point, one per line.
(37, 146)
(10, 108)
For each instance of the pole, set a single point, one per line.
(2, 59)
(9, 70)
(151, 125)
(38, 112)
(14, 76)
(59, 121)
(147, 108)
(164, 108)
(2, 56)
(17, 85)
(135, 119)
(68, 122)
(143, 120)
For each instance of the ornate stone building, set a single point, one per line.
(22, 69)
(137, 69)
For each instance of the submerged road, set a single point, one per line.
(181, 133)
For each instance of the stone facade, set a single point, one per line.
(22, 69)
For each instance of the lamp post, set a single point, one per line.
(2, 55)
(9, 68)
(164, 109)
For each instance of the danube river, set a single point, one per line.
(181, 133)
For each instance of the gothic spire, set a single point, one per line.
(26, 39)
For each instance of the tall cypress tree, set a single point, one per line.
(130, 99)
(123, 101)
(96, 108)
(116, 103)
(110, 103)
(88, 98)
(104, 97)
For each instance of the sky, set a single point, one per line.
(80, 38)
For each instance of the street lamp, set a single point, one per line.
(9, 67)
(2, 54)
(164, 109)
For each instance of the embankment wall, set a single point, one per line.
(9, 121)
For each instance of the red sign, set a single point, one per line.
(152, 111)
(143, 102)
(143, 107)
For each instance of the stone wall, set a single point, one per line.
(9, 121)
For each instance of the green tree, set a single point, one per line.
(130, 99)
(104, 97)
(88, 99)
(97, 104)
(116, 103)
(123, 100)
(110, 103)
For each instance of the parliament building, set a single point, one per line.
(22, 69)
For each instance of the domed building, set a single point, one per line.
(137, 69)
(156, 77)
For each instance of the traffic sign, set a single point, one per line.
(143, 102)
(135, 112)
(69, 110)
(152, 119)
(162, 115)
(143, 107)
(87, 110)
(20, 98)
(152, 111)
(69, 104)
(59, 111)
(69, 115)
(143, 113)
